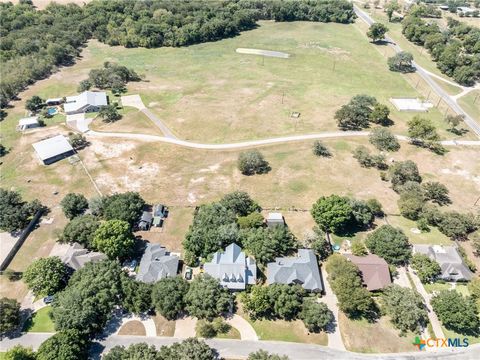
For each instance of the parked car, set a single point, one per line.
(48, 299)
(130, 265)
(188, 274)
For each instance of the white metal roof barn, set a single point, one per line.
(53, 149)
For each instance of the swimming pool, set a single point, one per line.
(52, 111)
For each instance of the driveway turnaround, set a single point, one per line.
(247, 332)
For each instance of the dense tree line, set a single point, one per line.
(16, 213)
(35, 42)
(235, 219)
(456, 51)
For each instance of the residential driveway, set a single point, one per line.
(133, 101)
(436, 325)
(402, 279)
(335, 340)
(78, 122)
(185, 327)
(247, 332)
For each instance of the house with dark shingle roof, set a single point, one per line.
(301, 269)
(232, 268)
(156, 264)
(374, 270)
(450, 261)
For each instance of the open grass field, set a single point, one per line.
(40, 321)
(378, 337)
(471, 103)
(436, 287)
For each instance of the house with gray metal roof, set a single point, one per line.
(232, 268)
(88, 101)
(451, 263)
(301, 269)
(156, 263)
(77, 256)
(28, 123)
(53, 149)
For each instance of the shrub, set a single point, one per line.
(252, 162)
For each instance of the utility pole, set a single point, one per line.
(334, 63)
(283, 95)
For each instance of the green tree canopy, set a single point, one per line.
(332, 213)
(9, 315)
(74, 205)
(127, 207)
(353, 298)
(34, 104)
(317, 240)
(114, 238)
(19, 352)
(264, 355)
(134, 351)
(109, 113)
(422, 129)
(401, 62)
(206, 298)
(377, 31)
(405, 307)
(87, 302)
(426, 268)
(168, 296)
(456, 312)
(403, 171)
(316, 316)
(267, 243)
(213, 228)
(437, 193)
(356, 114)
(383, 139)
(240, 203)
(252, 162)
(253, 220)
(319, 149)
(137, 296)
(389, 243)
(15, 214)
(457, 225)
(65, 345)
(81, 230)
(46, 276)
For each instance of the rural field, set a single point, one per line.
(208, 93)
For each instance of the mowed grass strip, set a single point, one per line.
(40, 321)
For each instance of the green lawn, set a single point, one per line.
(40, 321)
(454, 335)
(231, 334)
(434, 237)
(467, 103)
(208, 92)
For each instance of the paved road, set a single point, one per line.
(425, 75)
(436, 325)
(157, 121)
(239, 349)
(255, 143)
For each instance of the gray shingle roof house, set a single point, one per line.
(77, 256)
(156, 264)
(374, 270)
(450, 261)
(88, 101)
(302, 269)
(232, 268)
(53, 149)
